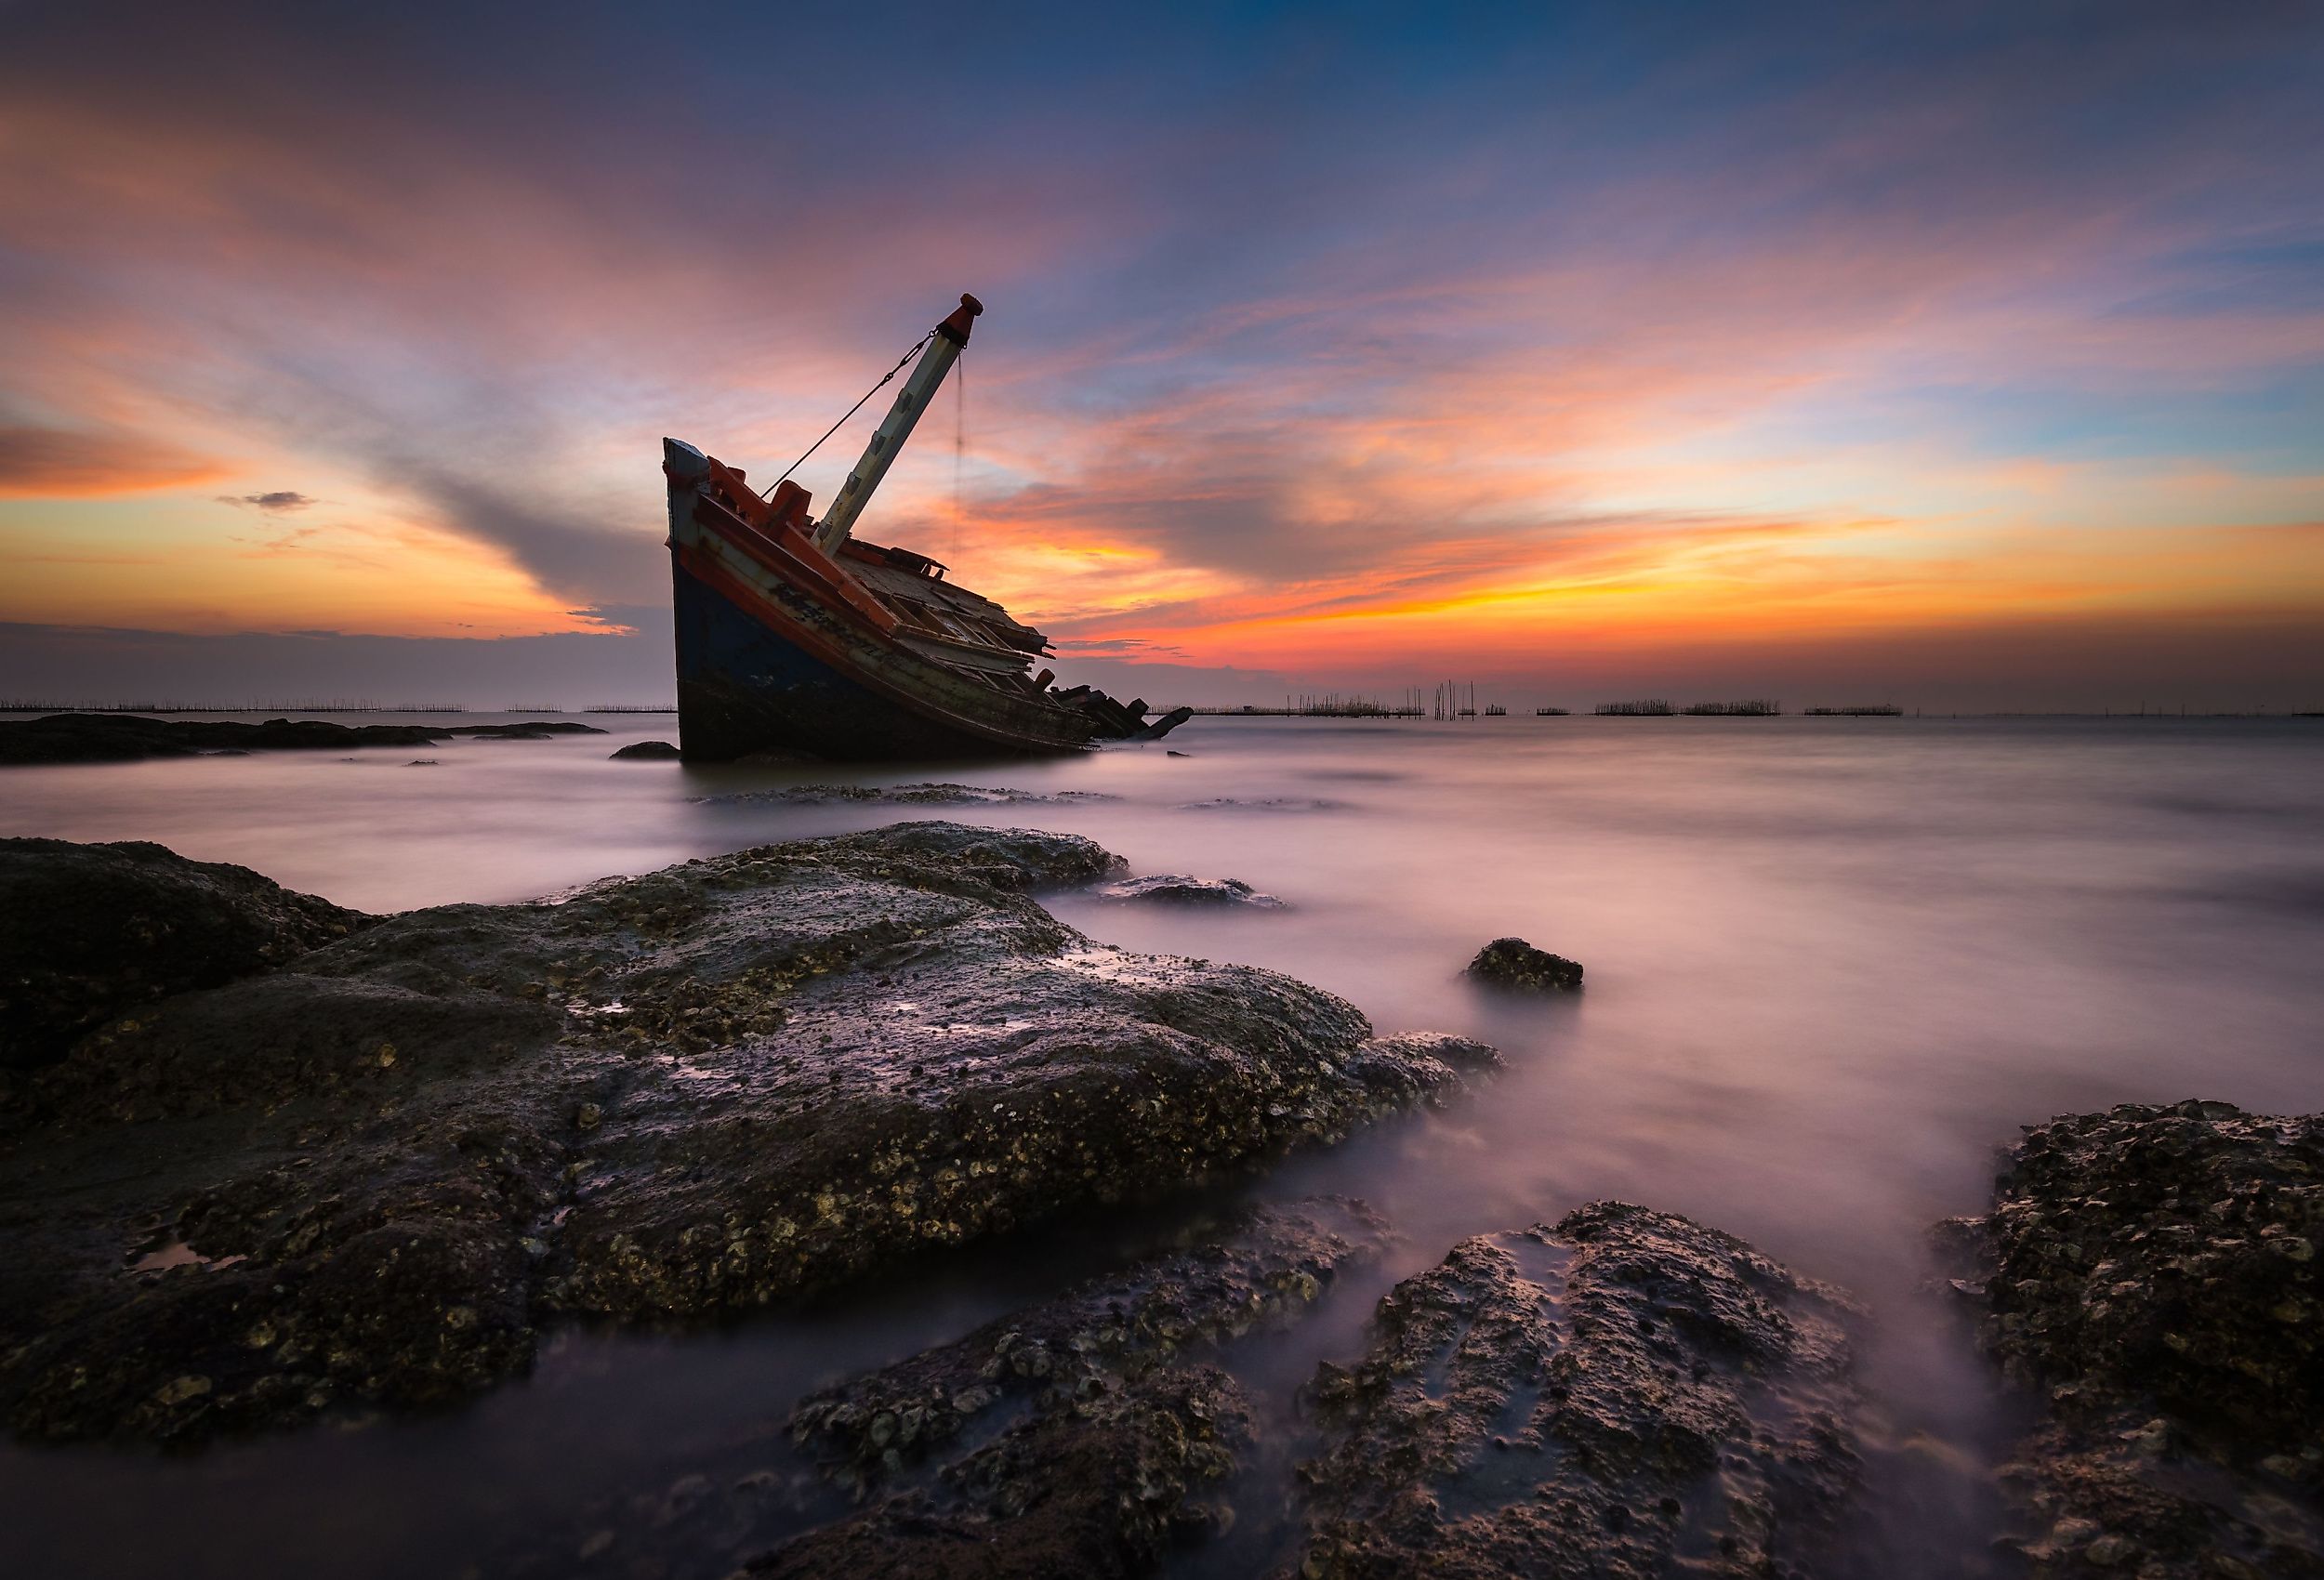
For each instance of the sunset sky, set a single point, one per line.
(1956, 355)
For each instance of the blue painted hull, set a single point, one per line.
(743, 688)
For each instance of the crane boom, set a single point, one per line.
(944, 349)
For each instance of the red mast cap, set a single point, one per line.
(956, 328)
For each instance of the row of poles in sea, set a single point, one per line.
(1454, 700)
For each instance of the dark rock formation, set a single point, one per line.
(125, 737)
(2154, 1275)
(737, 1082)
(1626, 1394)
(1172, 889)
(1514, 964)
(526, 729)
(1074, 1437)
(91, 931)
(930, 795)
(647, 751)
(1099, 1489)
(1272, 1263)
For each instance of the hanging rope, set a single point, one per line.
(960, 432)
(851, 412)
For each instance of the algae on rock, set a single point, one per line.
(1626, 1393)
(2155, 1275)
(737, 1082)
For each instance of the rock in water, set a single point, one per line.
(1100, 1489)
(2156, 1274)
(1271, 1265)
(938, 794)
(125, 737)
(1170, 888)
(91, 931)
(1513, 963)
(1626, 1393)
(737, 1082)
(647, 751)
(1073, 1437)
(526, 730)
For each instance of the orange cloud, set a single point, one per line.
(49, 463)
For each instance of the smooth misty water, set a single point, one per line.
(1832, 964)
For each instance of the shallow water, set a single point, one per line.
(1832, 964)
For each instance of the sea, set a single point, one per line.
(1833, 965)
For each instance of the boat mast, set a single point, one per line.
(944, 349)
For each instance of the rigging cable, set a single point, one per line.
(851, 412)
(959, 431)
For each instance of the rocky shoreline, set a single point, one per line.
(737, 1083)
(132, 737)
(370, 1162)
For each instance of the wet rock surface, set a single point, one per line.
(927, 795)
(127, 737)
(2152, 1276)
(647, 751)
(90, 931)
(1102, 1488)
(1268, 1267)
(368, 1176)
(1623, 1394)
(1170, 889)
(1082, 1435)
(1513, 964)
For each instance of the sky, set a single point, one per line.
(1960, 356)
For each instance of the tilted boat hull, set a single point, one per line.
(744, 687)
(782, 648)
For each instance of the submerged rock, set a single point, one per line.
(1174, 889)
(647, 751)
(1626, 1393)
(91, 931)
(1099, 1488)
(1074, 1437)
(2155, 1275)
(1265, 1271)
(737, 1082)
(928, 795)
(1512, 963)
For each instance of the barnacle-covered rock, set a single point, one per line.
(737, 1082)
(1626, 1393)
(1264, 1272)
(1072, 1437)
(1513, 964)
(2155, 1276)
(88, 931)
(1171, 888)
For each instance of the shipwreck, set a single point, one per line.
(794, 636)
